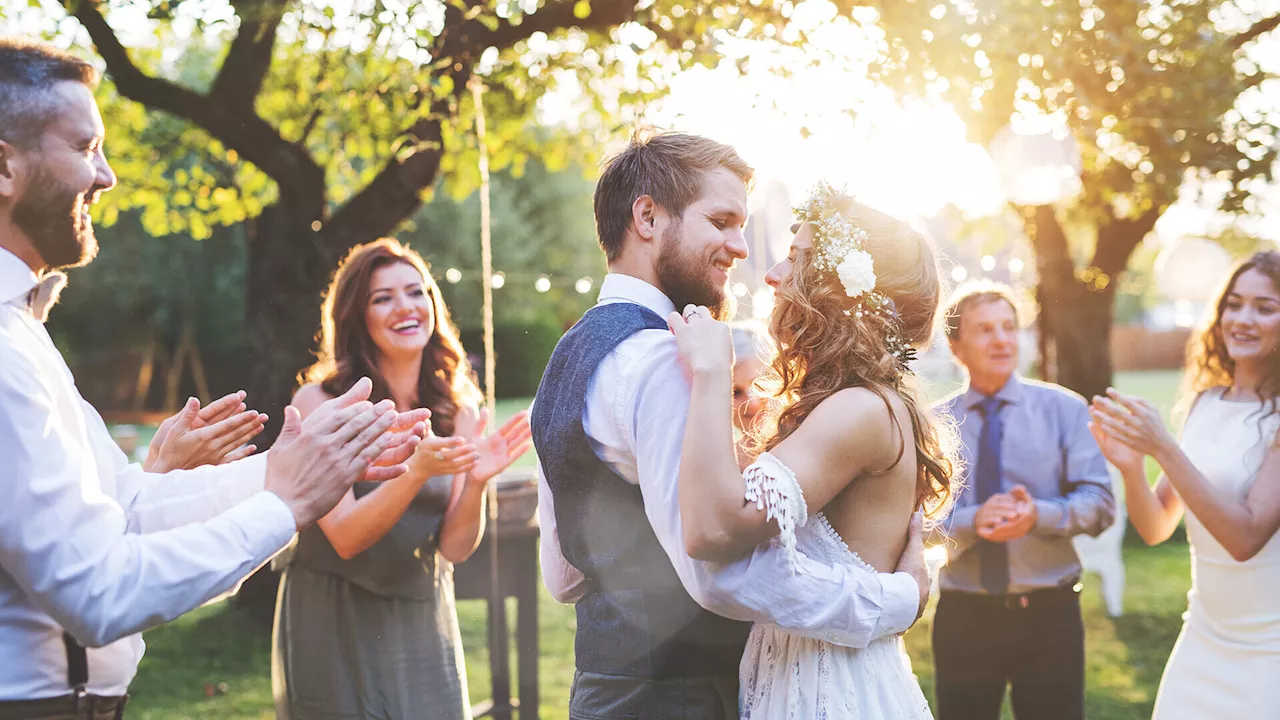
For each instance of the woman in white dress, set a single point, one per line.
(1225, 475)
(848, 452)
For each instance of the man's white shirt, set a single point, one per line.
(635, 419)
(92, 544)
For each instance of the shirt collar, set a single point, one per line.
(1011, 394)
(617, 286)
(16, 278)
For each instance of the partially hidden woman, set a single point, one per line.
(1224, 475)
(366, 625)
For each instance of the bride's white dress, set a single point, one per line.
(1226, 663)
(783, 676)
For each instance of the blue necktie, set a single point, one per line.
(993, 557)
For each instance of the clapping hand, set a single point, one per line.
(496, 452)
(706, 344)
(210, 436)
(443, 455)
(1007, 516)
(1133, 422)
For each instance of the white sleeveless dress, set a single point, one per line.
(783, 676)
(1226, 663)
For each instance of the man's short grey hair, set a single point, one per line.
(29, 70)
(751, 340)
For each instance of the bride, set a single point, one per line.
(847, 454)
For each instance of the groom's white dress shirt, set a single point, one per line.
(635, 420)
(90, 543)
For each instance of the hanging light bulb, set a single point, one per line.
(498, 280)
(542, 284)
(453, 275)
(583, 286)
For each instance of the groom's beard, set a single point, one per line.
(50, 215)
(685, 278)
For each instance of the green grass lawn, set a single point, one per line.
(188, 659)
(218, 644)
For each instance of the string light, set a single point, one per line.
(958, 274)
(499, 279)
(1015, 266)
(542, 284)
(583, 286)
(740, 289)
(988, 263)
(453, 275)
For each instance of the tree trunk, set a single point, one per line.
(1075, 323)
(1075, 312)
(287, 272)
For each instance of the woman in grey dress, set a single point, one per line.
(365, 623)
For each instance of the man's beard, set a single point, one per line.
(683, 277)
(49, 214)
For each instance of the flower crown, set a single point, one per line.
(840, 248)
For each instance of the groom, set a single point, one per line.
(661, 634)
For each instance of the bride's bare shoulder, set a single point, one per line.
(858, 416)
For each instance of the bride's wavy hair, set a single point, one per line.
(822, 350)
(347, 352)
(1209, 365)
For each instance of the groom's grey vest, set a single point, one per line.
(636, 619)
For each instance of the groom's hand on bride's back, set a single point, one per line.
(912, 561)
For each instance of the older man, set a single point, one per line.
(1009, 611)
(94, 550)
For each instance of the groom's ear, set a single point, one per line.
(644, 213)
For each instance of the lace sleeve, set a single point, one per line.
(773, 488)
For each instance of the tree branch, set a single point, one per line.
(1118, 238)
(249, 58)
(1259, 28)
(300, 179)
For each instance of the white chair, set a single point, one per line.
(1103, 555)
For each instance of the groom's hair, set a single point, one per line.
(28, 72)
(668, 167)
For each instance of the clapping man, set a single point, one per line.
(94, 550)
(1009, 612)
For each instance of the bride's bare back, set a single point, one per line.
(872, 512)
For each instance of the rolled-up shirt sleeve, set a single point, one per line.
(842, 604)
(565, 582)
(69, 545)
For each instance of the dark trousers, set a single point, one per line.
(615, 697)
(1035, 642)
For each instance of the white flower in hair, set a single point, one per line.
(857, 273)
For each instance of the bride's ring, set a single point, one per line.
(692, 312)
(440, 456)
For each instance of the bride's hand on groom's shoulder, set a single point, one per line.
(706, 345)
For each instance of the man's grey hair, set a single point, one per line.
(29, 70)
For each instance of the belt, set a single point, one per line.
(76, 705)
(1017, 601)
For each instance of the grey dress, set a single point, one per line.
(375, 636)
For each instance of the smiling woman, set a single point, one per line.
(368, 595)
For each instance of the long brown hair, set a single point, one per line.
(823, 350)
(1208, 363)
(347, 351)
